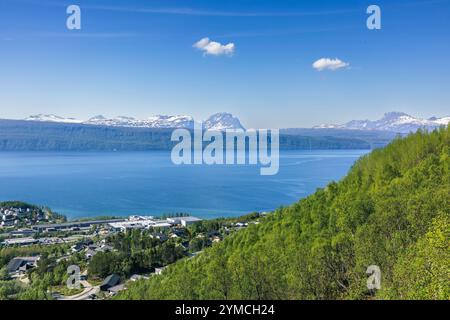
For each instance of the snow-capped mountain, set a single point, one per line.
(151, 122)
(52, 118)
(162, 121)
(393, 121)
(222, 121)
(218, 121)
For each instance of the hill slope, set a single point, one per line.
(19, 135)
(392, 210)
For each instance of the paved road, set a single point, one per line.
(88, 290)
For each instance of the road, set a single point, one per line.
(88, 290)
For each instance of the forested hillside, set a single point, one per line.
(16, 135)
(391, 210)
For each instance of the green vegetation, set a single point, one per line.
(34, 212)
(10, 289)
(392, 210)
(174, 215)
(18, 204)
(136, 252)
(6, 254)
(46, 276)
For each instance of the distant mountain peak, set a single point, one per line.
(222, 121)
(98, 117)
(51, 118)
(392, 121)
(218, 121)
(159, 121)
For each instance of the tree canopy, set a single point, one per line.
(391, 210)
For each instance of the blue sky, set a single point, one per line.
(136, 58)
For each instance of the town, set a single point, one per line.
(37, 247)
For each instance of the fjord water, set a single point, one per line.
(88, 184)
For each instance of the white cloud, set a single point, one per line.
(329, 64)
(214, 48)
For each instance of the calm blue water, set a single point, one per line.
(83, 184)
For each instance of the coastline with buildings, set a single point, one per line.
(35, 240)
(24, 223)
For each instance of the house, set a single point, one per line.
(106, 248)
(90, 253)
(160, 236)
(240, 225)
(103, 232)
(114, 290)
(136, 277)
(8, 223)
(109, 282)
(22, 213)
(22, 264)
(82, 244)
(78, 247)
(25, 268)
(14, 265)
(177, 233)
(7, 217)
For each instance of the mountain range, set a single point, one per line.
(398, 122)
(54, 133)
(393, 121)
(219, 121)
